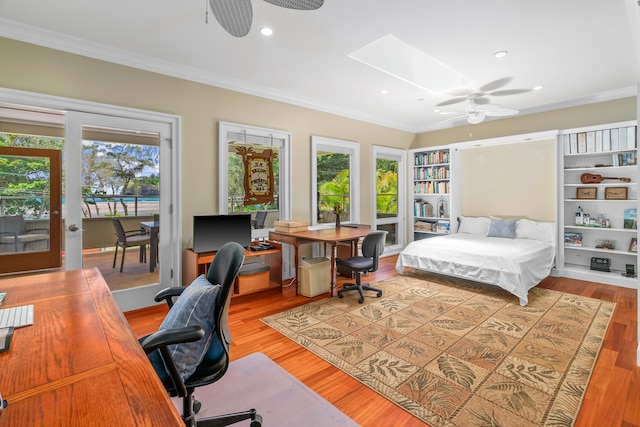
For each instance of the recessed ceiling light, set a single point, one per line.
(500, 54)
(266, 31)
(384, 91)
(537, 88)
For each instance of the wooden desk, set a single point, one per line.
(79, 363)
(196, 264)
(325, 235)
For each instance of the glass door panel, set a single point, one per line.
(30, 185)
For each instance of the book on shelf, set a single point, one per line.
(615, 142)
(572, 239)
(630, 218)
(625, 159)
(591, 142)
(599, 142)
(582, 142)
(443, 226)
(606, 140)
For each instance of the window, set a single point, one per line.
(268, 150)
(335, 180)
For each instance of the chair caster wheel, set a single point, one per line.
(196, 406)
(339, 295)
(257, 422)
(379, 294)
(361, 300)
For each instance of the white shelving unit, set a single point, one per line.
(430, 177)
(599, 151)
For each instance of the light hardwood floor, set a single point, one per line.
(612, 398)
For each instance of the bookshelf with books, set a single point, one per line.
(598, 191)
(431, 190)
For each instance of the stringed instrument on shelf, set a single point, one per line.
(591, 178)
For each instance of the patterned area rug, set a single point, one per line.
(458, 353)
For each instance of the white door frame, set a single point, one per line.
(80, 112)
(380, 152)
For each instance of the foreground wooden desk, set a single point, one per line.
(325, 235)
(79, 363)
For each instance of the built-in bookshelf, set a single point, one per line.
(598, 181)
(431, 193)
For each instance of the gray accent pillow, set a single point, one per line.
(195, 306)
(502, 228)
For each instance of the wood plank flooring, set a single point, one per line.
(612, 398)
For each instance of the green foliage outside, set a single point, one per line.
(109, 169)
(24, 183)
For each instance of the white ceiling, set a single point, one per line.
(580, 51)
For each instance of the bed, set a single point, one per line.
(512, 254)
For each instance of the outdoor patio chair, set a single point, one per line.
(127, 239)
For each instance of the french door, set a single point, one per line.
(84, 129)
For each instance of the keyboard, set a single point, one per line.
(16, 316)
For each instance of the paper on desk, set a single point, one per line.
(5, 338)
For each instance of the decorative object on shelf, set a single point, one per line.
(605, 244)
(590, 178)
(630, 271)
(578, 216)
(615, 193)
(633, 246)
(631, 218)
(587, 193)
(600, 264)
(573, 239)
(337, 210)
(442, 208)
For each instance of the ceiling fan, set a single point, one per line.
(481, 95)
(476, 113)
(235, 16)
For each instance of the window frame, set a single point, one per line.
(284, 197)
(322, 144)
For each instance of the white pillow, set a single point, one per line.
(536, 230)
(474, 225)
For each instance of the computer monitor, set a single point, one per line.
(210, 232)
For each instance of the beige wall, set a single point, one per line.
(36, 69)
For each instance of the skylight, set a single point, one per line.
(393, 56)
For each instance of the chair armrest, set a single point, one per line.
(168, 337)
(130, 233)
(168, 294)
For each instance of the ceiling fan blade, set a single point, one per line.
(451, 101)
(452, 118)
(234, 16)
(501, 112)
(298, 4)
(496, 84)
(510, 92)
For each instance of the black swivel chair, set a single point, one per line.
(223, 270)
(372, 248)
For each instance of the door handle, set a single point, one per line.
(73, 227)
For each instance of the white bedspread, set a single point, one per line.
(516, 265)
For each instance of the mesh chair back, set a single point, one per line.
(223, 270)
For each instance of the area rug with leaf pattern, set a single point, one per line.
(459, 353)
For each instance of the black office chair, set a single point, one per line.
(202, 298)
(372, 248)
